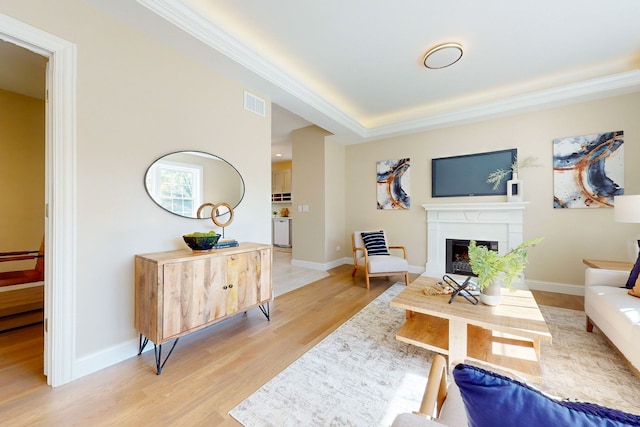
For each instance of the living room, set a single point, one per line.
(138, 98)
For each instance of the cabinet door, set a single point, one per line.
(247, 274)
(192, 294)
(277, 182)
(286, 181)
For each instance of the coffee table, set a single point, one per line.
(506, 336)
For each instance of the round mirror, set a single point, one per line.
(181, 182)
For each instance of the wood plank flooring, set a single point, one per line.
(209, 373)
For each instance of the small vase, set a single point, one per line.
(491, 295)
(514, 189)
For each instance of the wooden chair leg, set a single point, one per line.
(353, 273)
(367, 280)
(406, 278)
(436, 390)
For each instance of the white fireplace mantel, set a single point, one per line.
(498, 221)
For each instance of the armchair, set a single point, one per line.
(371, 255)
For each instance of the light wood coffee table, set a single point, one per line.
(506, 336)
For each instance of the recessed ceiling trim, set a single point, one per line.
(191, 22)
(601, 87)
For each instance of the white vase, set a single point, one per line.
(492, 294)
(514, 189)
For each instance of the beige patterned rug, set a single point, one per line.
(360, 375)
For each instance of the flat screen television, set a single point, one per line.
(467, 175)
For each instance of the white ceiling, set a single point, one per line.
(355, 68)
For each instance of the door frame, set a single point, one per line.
(60, 194)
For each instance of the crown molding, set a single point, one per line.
(194, 24)
(601, 87)
(183, 17)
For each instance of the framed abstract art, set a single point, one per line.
(588, 170)
(392, 184)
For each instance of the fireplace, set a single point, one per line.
(457, 255)
(498, 223)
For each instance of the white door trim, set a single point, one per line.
(60, 194)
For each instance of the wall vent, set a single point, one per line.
(254, 104)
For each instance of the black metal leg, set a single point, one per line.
(142, 344)
(157, 349)
(264, 308)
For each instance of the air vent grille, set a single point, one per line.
(254, 104)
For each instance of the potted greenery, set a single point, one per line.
(493, 268)
(498, 175)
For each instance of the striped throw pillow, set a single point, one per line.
(375, 244)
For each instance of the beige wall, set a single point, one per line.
(569, 234)
(137, 100)
(308, 152)
(21, 175)
(334, 171)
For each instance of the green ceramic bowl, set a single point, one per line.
(201, 243)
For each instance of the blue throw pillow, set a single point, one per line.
(633, 276)
(493, 400)
(375, 243)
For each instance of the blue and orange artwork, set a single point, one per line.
(393, 184)
(588, 170)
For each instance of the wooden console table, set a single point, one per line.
(609, 265)
(183, 291)
(506, 336)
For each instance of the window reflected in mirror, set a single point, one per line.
(181, 182)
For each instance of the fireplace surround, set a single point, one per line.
(498, 222)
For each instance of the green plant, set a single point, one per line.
(488, 264)
(498, 175)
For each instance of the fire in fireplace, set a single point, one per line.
(457, 255)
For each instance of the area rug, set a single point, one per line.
(360, 375)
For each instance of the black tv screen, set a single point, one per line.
(467, 175)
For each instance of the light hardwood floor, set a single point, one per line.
(209, 373)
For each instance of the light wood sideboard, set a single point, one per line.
(180, 292)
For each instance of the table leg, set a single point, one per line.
(536, 347)
(457, 341)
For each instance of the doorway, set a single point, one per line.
(22, 166)
(60, 181)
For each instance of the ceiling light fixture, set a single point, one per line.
(443, 55)
(278, 155)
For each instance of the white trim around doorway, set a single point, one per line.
(60, 194)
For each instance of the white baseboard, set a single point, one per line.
(110, 356)
(560, 288)
(342, 261)
(311, 265)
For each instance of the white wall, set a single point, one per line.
(138, 100)
(569, 234)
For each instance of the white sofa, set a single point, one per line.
(611, 309)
